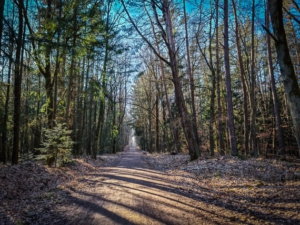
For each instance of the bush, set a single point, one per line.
(58, 145)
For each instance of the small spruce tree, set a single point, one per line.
(58, 145)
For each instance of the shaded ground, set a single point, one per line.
(135, 188)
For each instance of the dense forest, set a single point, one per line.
(79, 77)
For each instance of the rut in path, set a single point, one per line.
(132, 193)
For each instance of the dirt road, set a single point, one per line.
(126, 189)
(132, 193)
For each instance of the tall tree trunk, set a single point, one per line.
(273, 88)
(218, 81)
(90, 119)
(37, 127)
(47, 73)
(4, 130)
(85, 121)
(232, 137)
(17, 88)
(288, 74)
(80, 115)
(252, 91)
(2, 3)
(57, 64)
(191, 77)
(100, 123)
(157, 130)
(70, 109)
(213, 93)
(242, 72)
(179, 98)
(21, 72)
(165, 90)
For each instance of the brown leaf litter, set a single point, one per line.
(30, 191)
(258, 188)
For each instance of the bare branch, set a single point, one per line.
(269, 32)
(296, 5)
(143, 37)
(292, 15)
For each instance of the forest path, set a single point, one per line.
(132, 193)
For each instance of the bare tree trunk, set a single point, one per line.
(80, 115)
(252, 90)
(242, 71)
(157, 130)
(288, 74)
(172, 121)
(70, 108)
(57, 64)
(218, 76)
(100, 123)
(4, 130)
(179, 99)
(232, 138)
(213, 92)
(17, 88)
(91, 107)
(84, 121)
(163, 78)
(191, 77)
(273, 88)
(2, 3)
(47, 73)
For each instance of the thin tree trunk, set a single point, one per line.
(80, 115)
(100, 123)
(163, 78)
(288, 74)
(179, 99)
(70, 108)
(213, 93)
(273, 89)
(242, 71)
(26, 105)
(47, 73)
(4, 130)
(157, 130)
(57, 64)
(191, 77)
(252, 91)
(17, 89)
(84, 113)
(37, 127)
(94, 150)
(90, 119)
(102, 106)
(2, 3)
(218, 75)
(232, 137)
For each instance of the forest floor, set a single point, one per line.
(133, 187)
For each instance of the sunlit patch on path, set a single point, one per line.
(132, 193)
